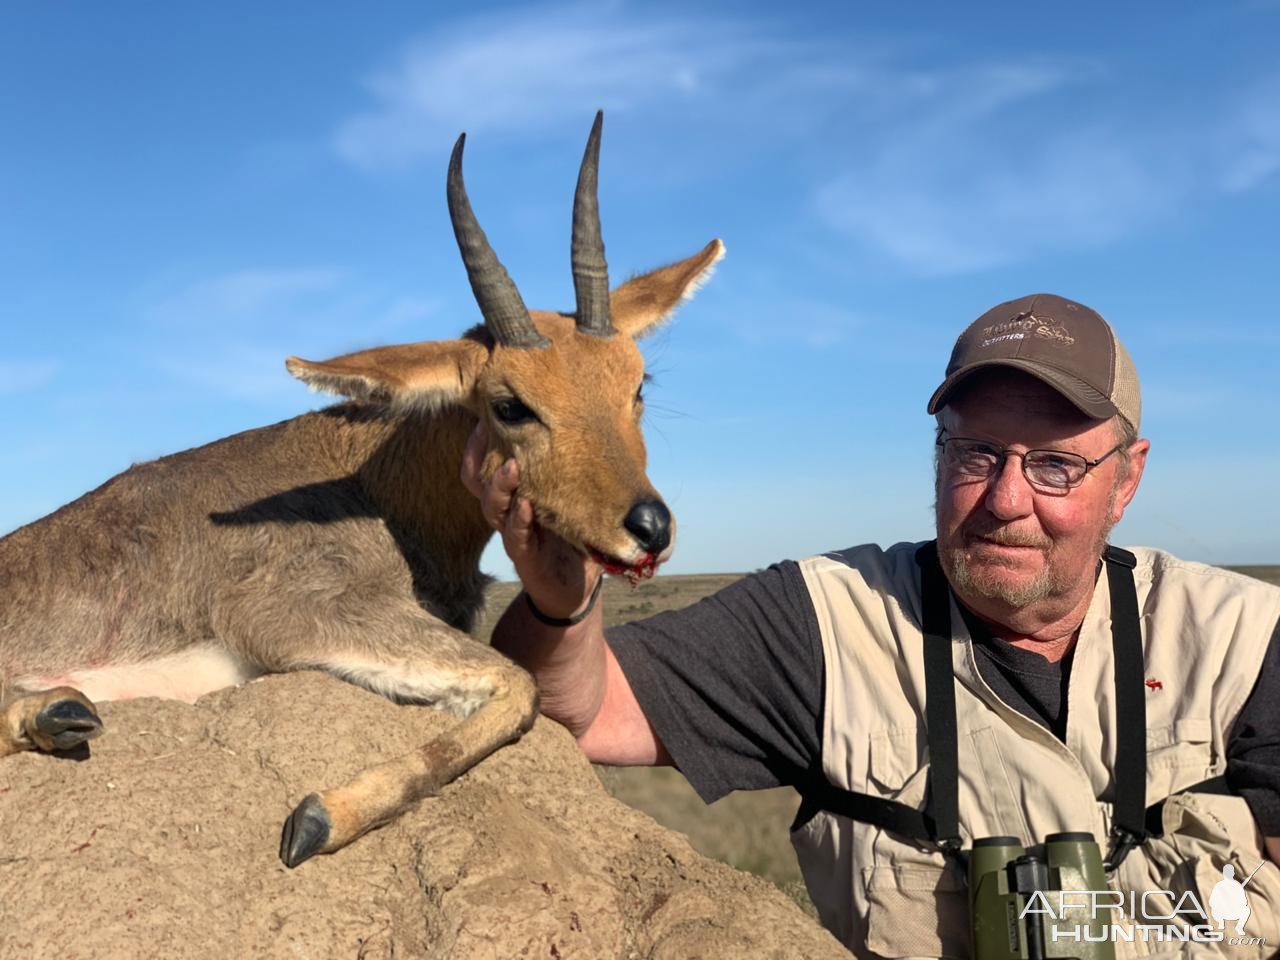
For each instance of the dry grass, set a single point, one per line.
(1268, 572)
(745, 830)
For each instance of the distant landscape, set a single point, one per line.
(747, 830)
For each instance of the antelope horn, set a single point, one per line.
(504, 311)
(590, 272)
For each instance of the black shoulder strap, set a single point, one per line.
(820, 794)
(940, 701)
(1128, 818)
(939, 822)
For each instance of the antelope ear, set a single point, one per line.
(643, 302)
(430, 374)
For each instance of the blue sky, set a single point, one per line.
(189, 193)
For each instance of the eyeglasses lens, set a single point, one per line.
(1044, 468)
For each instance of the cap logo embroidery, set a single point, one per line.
(1020, 325)
(1002, 338)
(1057, 333)
(1024, 322)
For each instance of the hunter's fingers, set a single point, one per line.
(473, 459)
(518, 534)
(539, 555)
(498, 495)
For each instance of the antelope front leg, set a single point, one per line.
(47, 720)
(327, 821)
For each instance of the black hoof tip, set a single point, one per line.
(68, 723)
(305, 832)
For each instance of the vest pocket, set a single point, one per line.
(915, 907)
(894, 769)
(1165, 744)
(916, 910)
(1178, 755)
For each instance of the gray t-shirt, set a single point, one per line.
(733, 686)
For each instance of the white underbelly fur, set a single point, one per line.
(186, 676)
(456, 691)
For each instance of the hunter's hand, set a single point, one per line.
(555, 575)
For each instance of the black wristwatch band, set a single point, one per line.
(564, 621)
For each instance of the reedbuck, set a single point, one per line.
(344, 540)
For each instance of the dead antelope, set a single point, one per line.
(343, 540)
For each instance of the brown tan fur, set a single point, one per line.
(340, 540)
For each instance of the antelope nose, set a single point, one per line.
(649, 521)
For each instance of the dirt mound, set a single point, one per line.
(164, 843)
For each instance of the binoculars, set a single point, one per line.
(1008, 922)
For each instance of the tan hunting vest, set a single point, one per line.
(1205, 632)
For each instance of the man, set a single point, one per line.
(815, 674)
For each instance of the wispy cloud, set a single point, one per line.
(230, 333)
(1251, 141)
(915, 168)
(23, 376)
(988, 172)
(979, 170)
(988, 204)
(253, 374)
(252, 295)
(547, 66)
(941, 164)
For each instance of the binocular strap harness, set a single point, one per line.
(1132, 821)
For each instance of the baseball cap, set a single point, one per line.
(1063, 343)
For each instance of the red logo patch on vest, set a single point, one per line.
(1154, 684)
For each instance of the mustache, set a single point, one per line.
(1009, 537)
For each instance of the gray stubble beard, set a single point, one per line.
(1048, 583)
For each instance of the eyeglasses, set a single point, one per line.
(1054, 470)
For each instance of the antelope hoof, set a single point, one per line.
(64, 724)
(305, 832)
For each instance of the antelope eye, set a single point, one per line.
(511, 411)
(647, 378)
